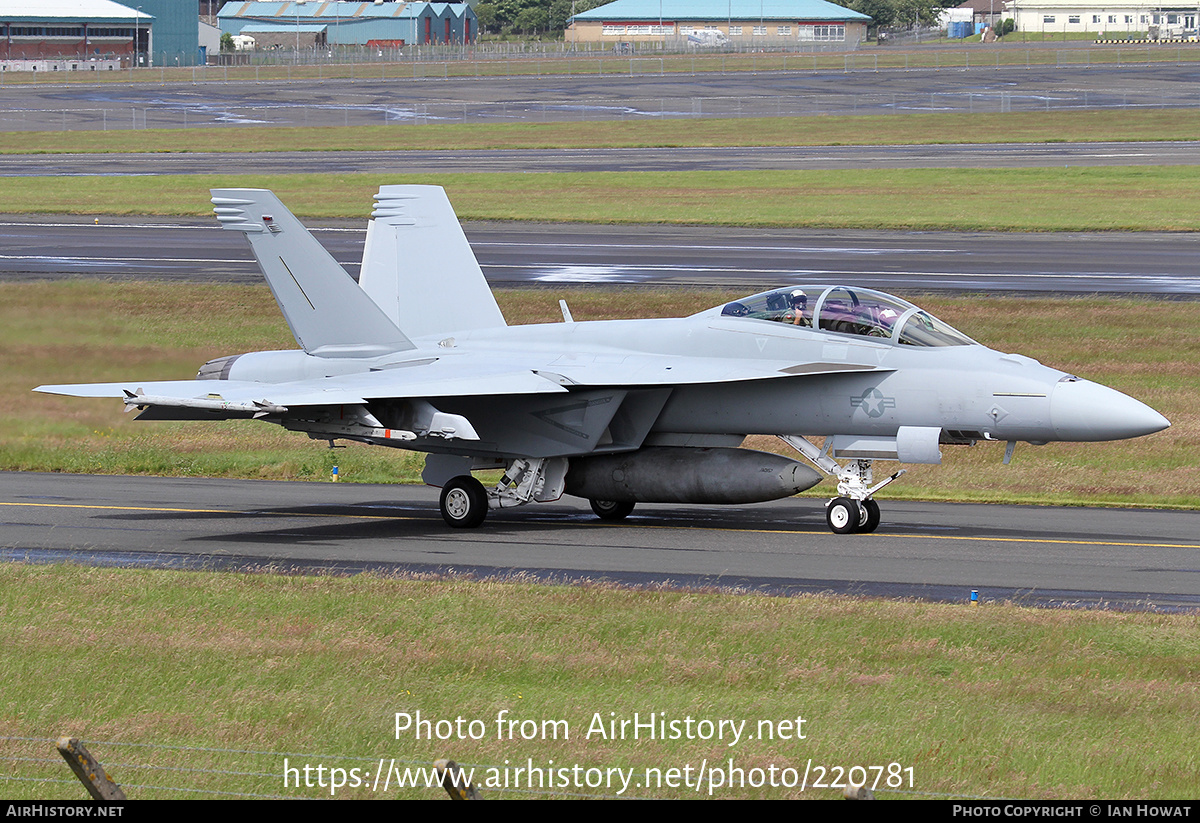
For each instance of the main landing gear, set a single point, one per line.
(464, 502)
(611, 509)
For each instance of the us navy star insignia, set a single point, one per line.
(873, 402)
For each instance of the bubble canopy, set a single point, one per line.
(848, 310)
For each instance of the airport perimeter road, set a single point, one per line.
(578, 254)
(1048, 556)
(681, 159)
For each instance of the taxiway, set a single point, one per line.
(1124, 558)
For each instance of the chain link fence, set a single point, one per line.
(177, 108)
(179, 116)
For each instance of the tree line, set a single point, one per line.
(529, 16)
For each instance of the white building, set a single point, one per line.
(1156, 20)
(808, 23)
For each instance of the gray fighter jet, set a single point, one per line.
(417, 355)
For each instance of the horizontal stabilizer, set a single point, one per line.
(328, 313)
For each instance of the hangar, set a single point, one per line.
(78, 34)
(700, 23)
(320, 23)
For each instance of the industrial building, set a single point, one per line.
(306, 24)
(706, 23)
(83, 34)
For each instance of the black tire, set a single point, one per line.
(464, 502)
(870, 519)
(611, 509)
(843, 515)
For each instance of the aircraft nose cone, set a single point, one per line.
(1083, 410)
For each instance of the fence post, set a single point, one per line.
(90, 773)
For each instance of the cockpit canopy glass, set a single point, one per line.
(845, 310)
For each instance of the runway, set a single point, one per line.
(631, 89)
(1121, 558)
(676, 159)
(515, 254)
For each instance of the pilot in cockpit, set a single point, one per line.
(798, 304)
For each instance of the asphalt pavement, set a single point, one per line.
(1121, 558)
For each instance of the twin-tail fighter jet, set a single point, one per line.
(416, 355)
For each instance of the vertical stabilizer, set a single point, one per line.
(419, 268)
(329, 315)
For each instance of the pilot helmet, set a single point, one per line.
(798, 299)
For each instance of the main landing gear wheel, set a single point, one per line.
(843, 515)
(611, 509)
(464, 502)
(870, 518)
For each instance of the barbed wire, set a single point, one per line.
(117, 765)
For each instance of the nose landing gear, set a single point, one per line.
(854, 511)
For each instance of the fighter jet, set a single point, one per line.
(417, 355)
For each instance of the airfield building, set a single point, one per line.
(1156, 20)
(53, 35)
(1113, 20)
(708, 23)
(310, 24)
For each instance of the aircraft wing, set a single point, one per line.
(238, 398)
(651, 370)
(447, 378)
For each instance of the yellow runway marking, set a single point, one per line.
(1061, 540)
(206, 511)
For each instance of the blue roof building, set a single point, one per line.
(321, 23)
(718, 22)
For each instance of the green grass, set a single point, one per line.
(91, 331)
(916, 128)
(241, 671)
(1141, 198)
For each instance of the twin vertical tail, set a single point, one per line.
(329, 315)
(419, 268)
(418, 272)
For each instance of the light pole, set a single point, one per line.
(298, 4)
(133, 54)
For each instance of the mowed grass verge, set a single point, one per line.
(95, 331)
(914, 128)
(1141, 198)
(241, 671)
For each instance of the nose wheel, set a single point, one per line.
(870, 519)
(845, 515)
